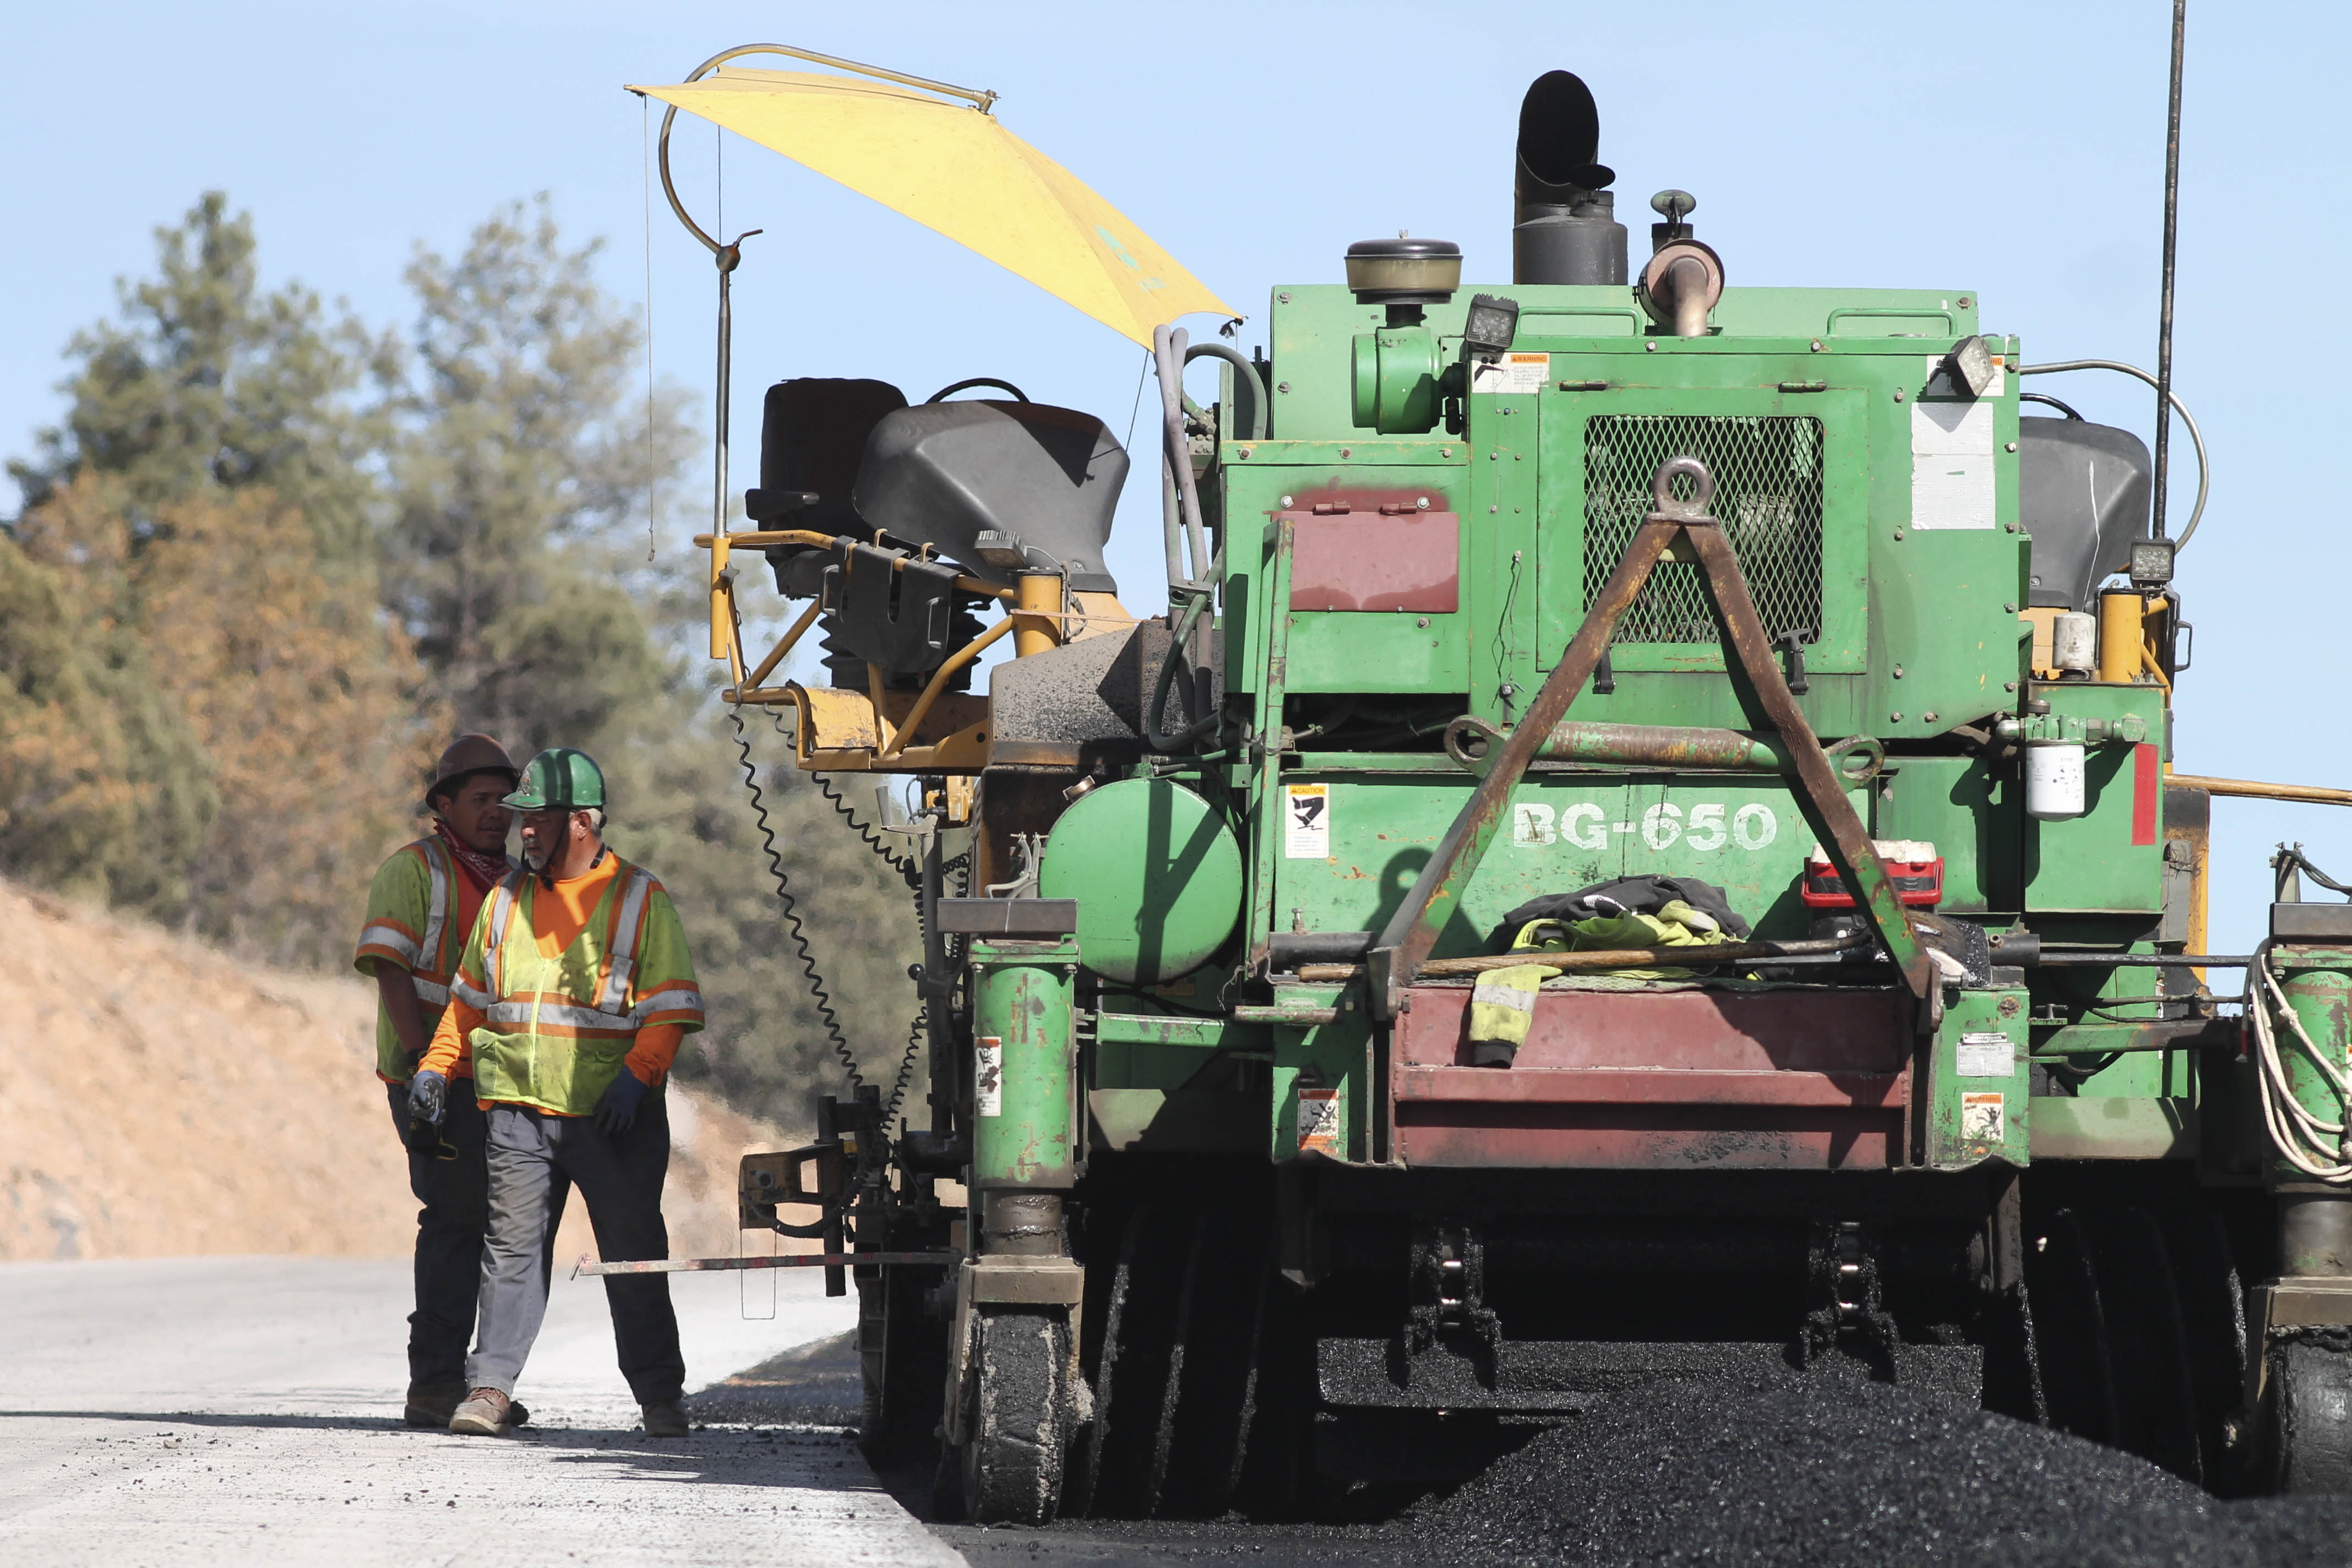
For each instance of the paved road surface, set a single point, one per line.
(244, 1411)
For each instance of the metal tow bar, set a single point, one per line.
(788, 1260)
(1397, 955)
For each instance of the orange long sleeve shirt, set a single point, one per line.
(560, 915)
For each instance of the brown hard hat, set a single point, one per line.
(468, 756)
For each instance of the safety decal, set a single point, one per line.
(987, 1076)
(1987, 1055)
(1984, 1119)
(1512, 372)
(1307, 821)
(1951, 464)
(1318, 1120)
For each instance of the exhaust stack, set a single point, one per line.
(1566, 230)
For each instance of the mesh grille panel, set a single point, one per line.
(1768, 493)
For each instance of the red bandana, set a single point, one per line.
(484, 871)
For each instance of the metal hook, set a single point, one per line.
(1662, 488)
(1870, 751)
(1465, 730)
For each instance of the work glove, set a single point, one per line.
(428, 1098)
(428, 1105)
(616, 1111)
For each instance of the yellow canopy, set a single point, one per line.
(958, 171)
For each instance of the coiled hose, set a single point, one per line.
(792, 926)
(908, 867)
(2311, 1143)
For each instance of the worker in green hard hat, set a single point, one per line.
(574, 991)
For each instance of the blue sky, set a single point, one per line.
(2010, 150)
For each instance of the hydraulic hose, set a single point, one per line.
(2204, 466)
(1246, 376)
(2311, 1143)
(1198, 598)
(1168, 346)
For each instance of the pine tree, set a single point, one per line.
(209, 383)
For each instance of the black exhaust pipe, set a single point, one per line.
(1565, 227)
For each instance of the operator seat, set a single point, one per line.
(812, 434)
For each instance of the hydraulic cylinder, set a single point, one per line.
(2314, 1222)
(1024, 1084)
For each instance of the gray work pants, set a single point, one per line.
(535, 1159)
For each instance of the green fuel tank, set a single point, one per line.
(1156, 877)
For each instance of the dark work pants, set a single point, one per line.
(535, 1159)
(455, 1194)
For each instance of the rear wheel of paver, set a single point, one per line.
(2311, 1417)
(1017, 1421)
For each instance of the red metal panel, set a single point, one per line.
(2145, 782)
(1721, 1031)
(1646, 1137)
(1370, 561)
(1649, 1085)
(1650, 1081)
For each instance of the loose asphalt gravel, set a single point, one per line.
(1821, 1471)
(235, 1411)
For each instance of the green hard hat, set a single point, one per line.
(558, 779)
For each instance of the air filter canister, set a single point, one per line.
(2053, 780)
(2074, 643)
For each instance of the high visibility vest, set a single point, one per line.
(555, 1029)
(428, 953)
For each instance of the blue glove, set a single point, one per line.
(427, 1097)
(616, 1111)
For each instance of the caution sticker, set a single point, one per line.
(1987, 1055)
(987, 1076)
(1984, 1119)
(1512, 372)
(1307, 821)
(1318, 1121)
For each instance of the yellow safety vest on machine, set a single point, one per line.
(555, 1029)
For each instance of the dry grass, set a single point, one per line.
(160, 1099)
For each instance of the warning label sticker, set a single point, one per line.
(1318, 1121)
(987, 1076)
(1512, 372)
(1983, 1119)
(1951, 464)
(1987, 1055)
(1307, 821)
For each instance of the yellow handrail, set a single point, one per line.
(824, 541)
(893, 745)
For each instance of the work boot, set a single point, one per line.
(432, 1404)
(666, 1419)
(485, 1413)
(1492, 1052)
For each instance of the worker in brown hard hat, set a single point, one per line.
(420, 910)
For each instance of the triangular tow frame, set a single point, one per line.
(1405, 944)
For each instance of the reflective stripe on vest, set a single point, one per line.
(615, 998)
(431, 959)
(554, 1030)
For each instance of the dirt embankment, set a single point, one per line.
(160, 1098)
